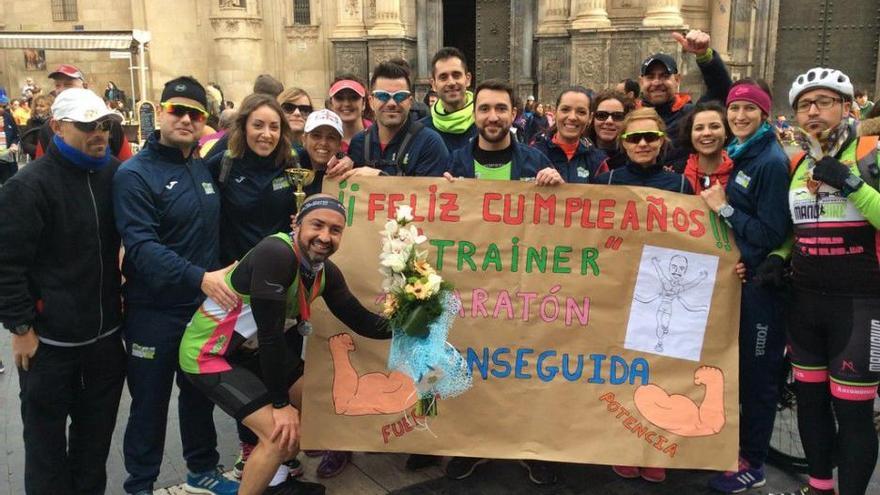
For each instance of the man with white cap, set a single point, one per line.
(60, 298)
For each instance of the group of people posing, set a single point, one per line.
(218, 281)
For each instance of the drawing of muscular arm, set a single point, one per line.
(679, 414)
(371, 393)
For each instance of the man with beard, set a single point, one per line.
(168, 214)
(452, 116)
(279, 278)
(834, 319)
(495, 155)
(395, 144)
(59, 296)
(660, 83)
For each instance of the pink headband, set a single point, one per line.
(751, 93)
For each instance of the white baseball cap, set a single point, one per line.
(323, 117)
(81, 105)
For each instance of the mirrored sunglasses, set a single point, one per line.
(179, 110)
(98, 125)
(398, 96)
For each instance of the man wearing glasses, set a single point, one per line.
(59, 296)
(168, 214)
(396, 145)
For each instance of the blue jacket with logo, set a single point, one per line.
(428, 156)
(583, 167)
(655, 176)
(526, 161)
(452, 141)
(167, 211)
(758, 192)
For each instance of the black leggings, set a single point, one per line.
(854, 434)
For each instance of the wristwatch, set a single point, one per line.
(852, 184)
(726, 211)
(281, 404)
(20, 329)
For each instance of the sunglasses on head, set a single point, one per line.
(648, 136)
(602, 116)
(398, 96)
(179, 110)
(292, 107)
(98, 125)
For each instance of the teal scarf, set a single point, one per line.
(457, 122)
(735, 149)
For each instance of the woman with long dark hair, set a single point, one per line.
(608, 110)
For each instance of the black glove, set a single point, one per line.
(771, 272)
(830, 171)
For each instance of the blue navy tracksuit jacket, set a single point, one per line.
(758, 192)
(168, 213)
(452, 141)
(525, 164)
(428, 156)
(585, 165)
(654, 176)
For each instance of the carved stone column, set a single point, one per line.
(238, 32)
(663, 13)
(350, 39)
(388, 21)
(554, 14)
(590, 14)
(349, 19)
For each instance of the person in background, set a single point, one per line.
(537, 125)
(573, 155)
(39, 117)
(297, 106)
(629, 88)
(113, 93)
(21, 112)
(609, 109)
(224, 123)
(9, 138)
(430, 98)
(863, 104)
(348, 100)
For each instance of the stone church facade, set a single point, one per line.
(539, 46)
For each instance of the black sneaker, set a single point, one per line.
(540, 472)
(294, 486)
(460, 468)
(420, 461)
(295, 467)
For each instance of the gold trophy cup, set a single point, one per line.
(299, 178)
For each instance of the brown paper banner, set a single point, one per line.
(600, 324)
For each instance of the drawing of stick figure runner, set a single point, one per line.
(672, 288)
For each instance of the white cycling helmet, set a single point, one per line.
(820, 77)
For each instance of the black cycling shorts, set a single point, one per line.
(838, 337)
(240, 391)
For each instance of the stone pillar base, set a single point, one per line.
(382, 49)
(350, 55)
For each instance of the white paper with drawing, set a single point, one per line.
(671, 303)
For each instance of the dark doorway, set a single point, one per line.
(460, 27)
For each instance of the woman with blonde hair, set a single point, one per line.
(297, 105)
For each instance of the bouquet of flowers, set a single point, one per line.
(420, 308)
(413, 290)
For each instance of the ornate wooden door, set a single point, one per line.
(493, 40)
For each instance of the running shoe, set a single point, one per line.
(333, 463)
(243, 454)
(460, 468)
(652, 474)
(210, 483)
(540, 472)
(628, 472)
(807, 490)
(739, 481)
(295, 468)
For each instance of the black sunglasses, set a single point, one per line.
(290, 108)
(98, 125)
(602, 116)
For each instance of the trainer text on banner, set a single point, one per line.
(599, 324)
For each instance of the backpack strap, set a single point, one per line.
(610, 176)
(866, 156)
(367, 147)
(414, 129)
(225, 168)
(681, 186)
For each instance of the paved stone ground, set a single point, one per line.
(371, 474)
